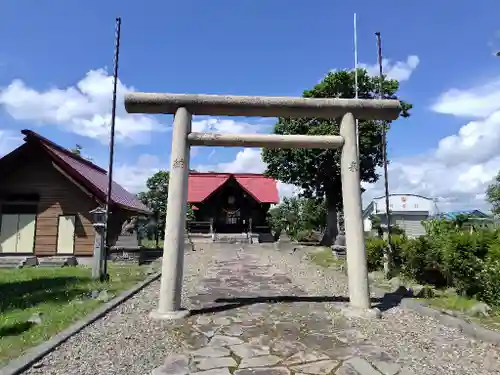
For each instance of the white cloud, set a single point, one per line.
(215, 125)
(9, 141)
(459, 169)
(133, 177)
(456, 172)
(476, 102)
(248, 161)
(398, 70)
(84, 108)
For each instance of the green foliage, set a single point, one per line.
(377, 224)
(493, 195)
(77, 150)
(489, 280)
(299, 217)
(447, 256)
(156, 195)
(375, 252)
(189, 212)
(317, 172)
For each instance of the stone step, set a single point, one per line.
(339, 252)
(57, 261)
(11, 265)
(18, 261)
(242, 238)
(127, 242)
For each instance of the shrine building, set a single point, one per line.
(231, 203)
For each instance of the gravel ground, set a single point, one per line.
(431, 347)
(126, 341)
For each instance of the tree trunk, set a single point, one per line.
(331, 230)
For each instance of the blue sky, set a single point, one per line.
(255, 48)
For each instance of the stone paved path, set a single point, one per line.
(259, 330)
(259, 311)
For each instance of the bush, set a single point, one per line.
(446, 256)
(461, 261)
(375, 253)
(306, 236)
(421, 260)
(489, 280)
(375, 248)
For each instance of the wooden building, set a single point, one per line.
(46, 194)
(231, 203)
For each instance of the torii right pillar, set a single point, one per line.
(357, 270)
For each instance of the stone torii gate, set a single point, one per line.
(183, 106)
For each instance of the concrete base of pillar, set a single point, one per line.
(354, 312)
(169, 315)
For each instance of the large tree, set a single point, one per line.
(493, 195)
(317, 172)
(157, 192)
(156, 197)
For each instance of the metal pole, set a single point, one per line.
(356, 88)
(111, 147)
(388, 253)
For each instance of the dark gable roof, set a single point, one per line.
(87, 173)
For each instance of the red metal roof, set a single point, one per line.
(91, 175)
(262, 188)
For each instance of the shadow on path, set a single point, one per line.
(389, 301)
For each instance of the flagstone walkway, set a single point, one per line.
(258, 311)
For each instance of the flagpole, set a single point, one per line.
(356, 88)
(388, 252)
(109, 193)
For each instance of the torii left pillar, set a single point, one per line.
(169, 306)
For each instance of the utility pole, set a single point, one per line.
(356, 88)
(109, 201)
(388, 252)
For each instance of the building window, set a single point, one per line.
(231, 220)
(416, 206)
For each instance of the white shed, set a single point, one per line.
(407, 212)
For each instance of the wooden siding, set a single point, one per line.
(33, 172)
(58, 196)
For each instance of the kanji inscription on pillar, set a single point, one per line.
(178, 163)
(353, 167)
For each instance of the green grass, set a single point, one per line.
(151, 244)
(60, 294)
(324, 257)
(462, 304)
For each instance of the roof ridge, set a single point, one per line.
(229, 174)
(48, 142)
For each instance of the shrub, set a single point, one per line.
(421, 260)
(375, 253)
(306, 236)
(398, 241)
(489, 280)
(460, 261)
